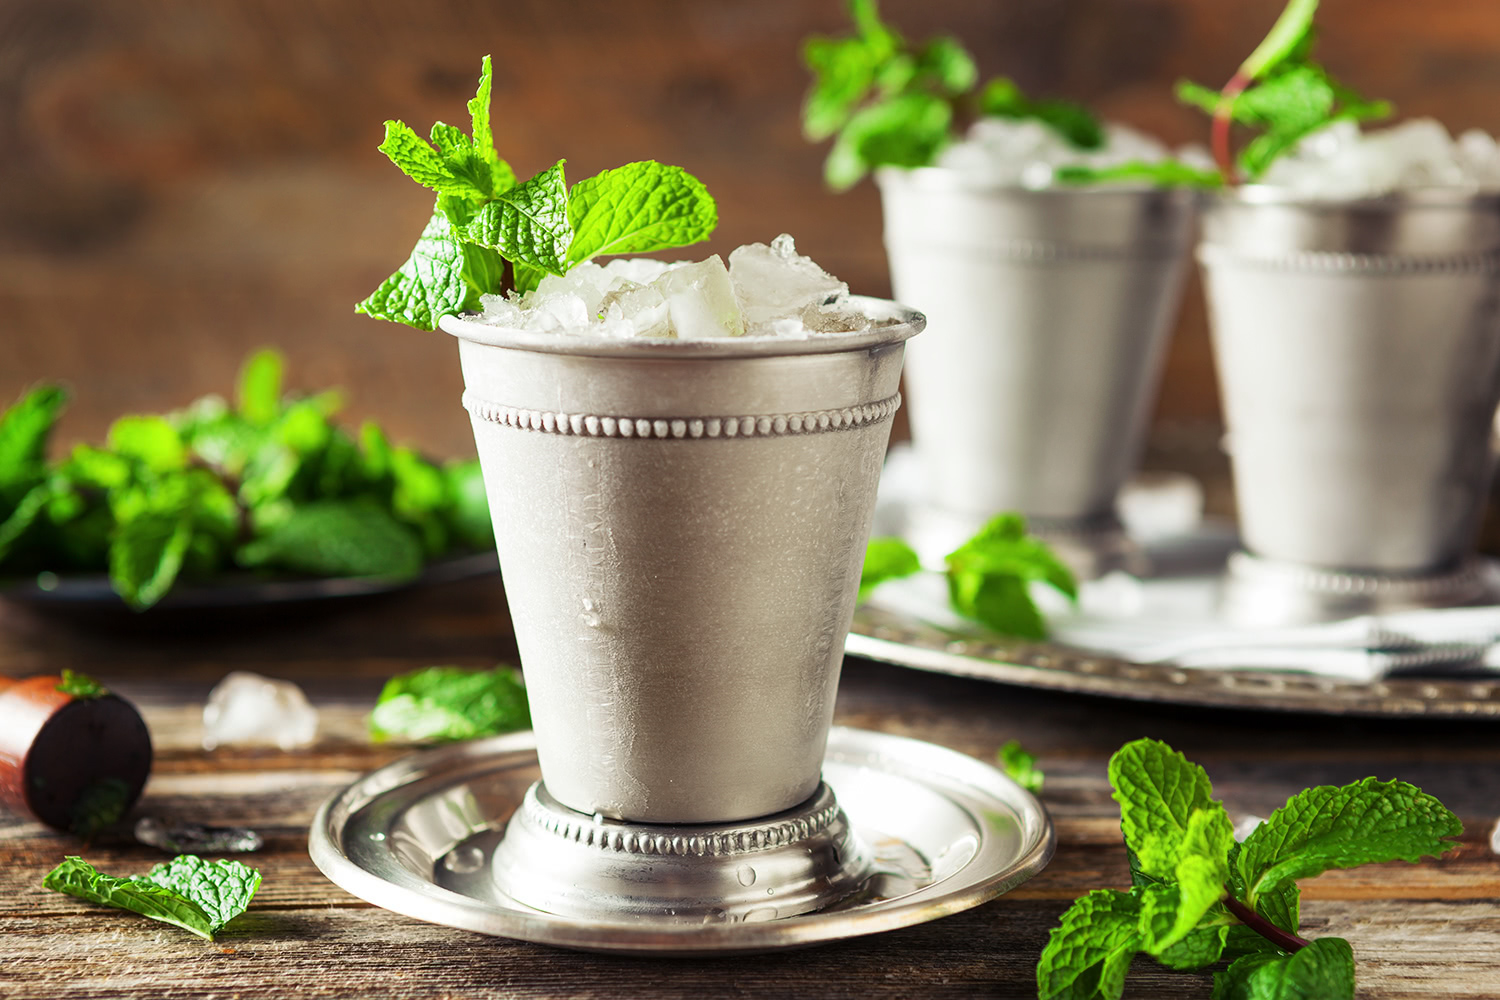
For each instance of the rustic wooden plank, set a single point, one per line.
(1406, 950)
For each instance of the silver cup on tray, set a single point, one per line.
(681, 527)
(1049, 312)
(1358, 352)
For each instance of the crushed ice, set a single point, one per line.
(1340, 161)
(248, 708)
(765, 291)
(1026, 153)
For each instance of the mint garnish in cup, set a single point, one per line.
(490, 233)
(887, 102)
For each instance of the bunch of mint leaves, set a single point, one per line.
(267, 484)
(1282, 93)
(445, 704)
(490, 233)
(1197, 897)
(886, 102)
(989, 576)
(188, 892)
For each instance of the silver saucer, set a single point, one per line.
(946, 832)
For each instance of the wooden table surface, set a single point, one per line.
(1417, 931)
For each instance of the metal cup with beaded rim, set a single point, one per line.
(681, 527)
(1049, 316)
(1358, 354)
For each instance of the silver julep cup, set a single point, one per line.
(1358, 352)
(1049, 313)
(681, 526)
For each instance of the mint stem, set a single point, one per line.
(1223, 122)
(1285, 940)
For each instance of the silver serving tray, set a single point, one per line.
(949, 832)
(893, 636)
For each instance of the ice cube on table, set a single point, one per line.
(776, 282)
(247, 708)
(700, 300)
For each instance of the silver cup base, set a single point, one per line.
(1270, 592)
(568, 863)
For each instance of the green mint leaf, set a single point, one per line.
(1205, 99)
(24, 430)
(843, 71)
(1167, 809)
(23, 518)
(1281, 906)
(146, 555)
(1329, 827)
(1090, 951)
(638, 208)
(1021, 766)
(1324, 970)
(1001, 603)
(222, 890)
(76, 877)
(98, 468)
(441, 277)
(442, 704)
(337, 538)
(81, 687)
(258, 394)
(1162, 173)
(529, 223)
(1001, 98)
(1202, 947)
(905, 131)
(1172, 911)
(881, 38)
(418, 160)
(469, 510)
(150, 440)
(479, 125)
(1290, 32)
(99, 806)
(526, 278)
(989, 577)
(886, 559)
(948, 65)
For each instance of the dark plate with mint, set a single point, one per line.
(262, 502)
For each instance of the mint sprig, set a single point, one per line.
(444, 704)
(1196, 896)
(270, 483)
(188, 892)
(484, 220)
(989, 576)
(887, 102)
(80, 687)
(1020, 765)
(1279, 91)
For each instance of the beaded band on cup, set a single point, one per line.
(1338, 262)
(1021, 251)
(760, 425)
(747, 838)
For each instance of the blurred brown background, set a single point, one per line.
(184, 180)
